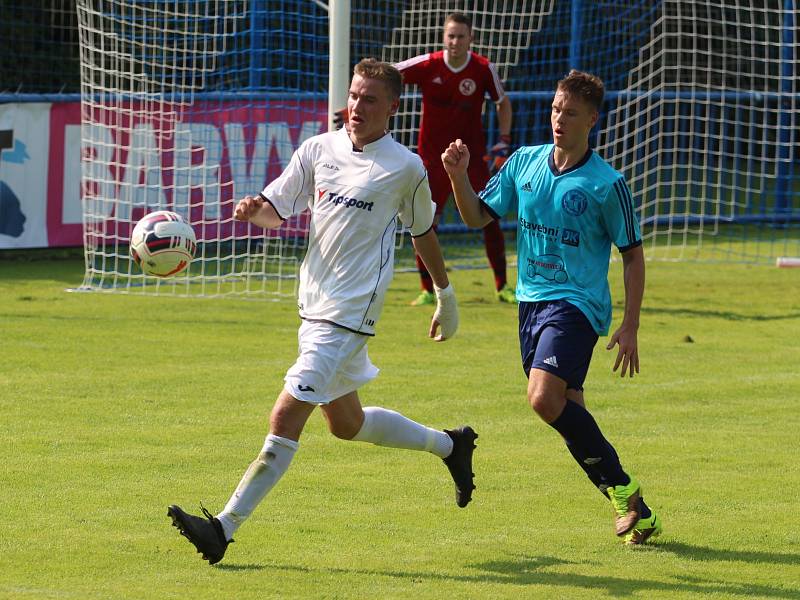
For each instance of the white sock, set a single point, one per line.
(389, 428)
(260, 477)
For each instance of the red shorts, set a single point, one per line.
(478, 173)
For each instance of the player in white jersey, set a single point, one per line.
(355, 182)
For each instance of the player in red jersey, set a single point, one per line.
(454, 83)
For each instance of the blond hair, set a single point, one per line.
(372, 68)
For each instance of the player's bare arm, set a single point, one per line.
(627, 334)
(446, 315)
(427, 246)
(258, 212)
(504, 116)
(455, 160)
(499, 153)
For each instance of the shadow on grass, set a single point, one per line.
(706, 553)
(528, 570)
(532, 571)
(242, 567)
(717, 314)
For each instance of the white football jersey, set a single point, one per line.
(354, 199)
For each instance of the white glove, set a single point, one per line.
(446, 314)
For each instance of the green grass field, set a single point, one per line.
(115, 406)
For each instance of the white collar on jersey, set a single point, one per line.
(387, 135)
(462, 67)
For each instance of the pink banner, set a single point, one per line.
(63, 117)
(142, 157)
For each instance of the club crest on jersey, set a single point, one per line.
(467, 87)
(574, 202)
(339, 200)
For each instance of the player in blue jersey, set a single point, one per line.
(571, 206)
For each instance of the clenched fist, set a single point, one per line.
(247, 207)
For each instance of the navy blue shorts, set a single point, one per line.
(558, 338)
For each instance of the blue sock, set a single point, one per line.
(577, 426)
(644, 510)
(597, 479)
(593, 474)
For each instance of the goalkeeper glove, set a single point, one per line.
(498, 154)
(446, 314)
(340, 118)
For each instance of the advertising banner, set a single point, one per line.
(196, 161)
(24, 163)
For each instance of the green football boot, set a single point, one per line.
(507, 295)
(625, 500)
(644, 530)
(425, 298)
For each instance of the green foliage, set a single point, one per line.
(114, 406)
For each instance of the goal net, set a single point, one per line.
(503, 32)
(501, 35)
(705, 129)
(700, 115)
(189, 105)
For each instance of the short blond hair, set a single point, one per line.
(372, 68)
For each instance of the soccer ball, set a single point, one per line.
(163, 244)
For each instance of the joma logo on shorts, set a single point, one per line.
(349, 202)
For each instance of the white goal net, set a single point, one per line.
(188, 105)
(706, 130)
(172, 120)
(502, 31)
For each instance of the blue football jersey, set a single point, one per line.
(567, 222)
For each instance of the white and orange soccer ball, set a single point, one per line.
(163, 244)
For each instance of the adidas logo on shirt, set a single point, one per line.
(436, 79)
(527, 187)
(551, 361)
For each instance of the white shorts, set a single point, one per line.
(332, 362)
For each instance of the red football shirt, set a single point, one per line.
(452, 101)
